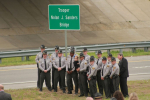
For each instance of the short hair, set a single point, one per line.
(118, 95)
(1, 87)
(133, 96)
(121, 54)
(89, 98)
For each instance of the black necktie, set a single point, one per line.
(59, 61)
(71, 63)
(45, 63)
(97, 61)
(102, 70)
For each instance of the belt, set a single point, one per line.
(115, 76)
(93, 77)
(82, 72)
(107, 76)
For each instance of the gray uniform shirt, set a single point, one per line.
(54, 55)
(87, 58)
(92, 70)
(42, 64)
(38, 57)
(109, 62)
(83, 65)
(56, 62)
(99, 64)
(115, 70)
(106, 69)
(68, 61)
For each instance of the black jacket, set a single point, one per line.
(123, 64)
(5, 96)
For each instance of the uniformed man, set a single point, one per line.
(82, 76)
(53, 57)
(99, 64)
(98, 96)
(124, 73)
(71, 73)
(105, 76)
(115, 74)
(92, 76)
(111, 82)
(38, 57)
(45, 66)
(60, 65)
(86, 56)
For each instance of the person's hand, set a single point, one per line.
(87, 75)
(110, 77)
(102, 78)
(59, 69)
(89, 79)
(68, 72)
(71, 72)
(45, 71)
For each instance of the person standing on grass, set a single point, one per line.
(45, 66)
(3, 95)
(38, 57)
(124, 73)
(99, 68)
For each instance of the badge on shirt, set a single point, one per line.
(39, 61)
(85, 63)
(107, 65)
(93, 68)
(114, 68)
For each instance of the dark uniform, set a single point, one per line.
(38, 57)
(92, 76)
(111, 81)
(83, 77)
(115, 75)
(98, 76)
(105, 74)
(53, 57)
(124, 73)
(59, 62)
(45, 64)
(72, 74)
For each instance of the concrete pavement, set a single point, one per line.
(16, 77)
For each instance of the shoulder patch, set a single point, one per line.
(39, 61)
(107, 65)
(93, 68)
(85, 62)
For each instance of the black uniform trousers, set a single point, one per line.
(39, 71)
(59, 75)
(83, 83)
(123, 86)
(93, 88)
(107, 86)
(53, 70)
(100, 82)
(73, 75)
(115, 81)
(46, 77)
(111, 87)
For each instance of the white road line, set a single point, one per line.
(139, 74)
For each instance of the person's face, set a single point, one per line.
(56, 50)
(109, 58)
(99, 55)
(42, 50)
(71, 54)
(113, 62)
(85, 52)
(119, 57)
(91, 62)
(76, 58)
(81, 58)
(59, 54)
(44, 56)
(104, 61)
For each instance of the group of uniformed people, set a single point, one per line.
(84, 70)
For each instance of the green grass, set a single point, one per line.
(17, 60)
(142, 88)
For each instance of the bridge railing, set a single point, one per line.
(108, 47)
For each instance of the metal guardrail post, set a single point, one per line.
(146, 49)
(27, 58)
(120, 50)
(108, 51)
(133, 50)
(22, 58)
(0, 60)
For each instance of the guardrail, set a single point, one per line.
(108, 47)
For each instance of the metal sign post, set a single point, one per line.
(64, 17)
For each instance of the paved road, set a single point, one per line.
(16, 77)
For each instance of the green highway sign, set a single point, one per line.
(64, 17)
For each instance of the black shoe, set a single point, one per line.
(55, 90)
(81, 95)
(69, 92)
(64, 91)
(126, 96)
(50, 89)
(40, 90)
(76, 93)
